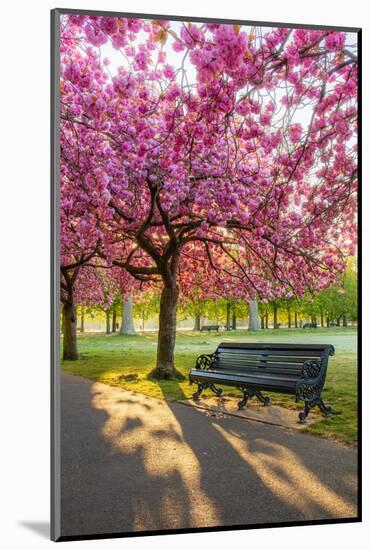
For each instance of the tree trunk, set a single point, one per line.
(114, 320)
(82, 321)
(327, 321)
(275, 316)
(253, 315)
(289, 317)
(262, 317)
(345, 321)
(165, 368)
(322, 319)
(296, 319)
(127, 323)
(197, 325)
(228, 320)
(108, 326)
(234, 320)
(266, 320)
(338, 322)
(70, 351)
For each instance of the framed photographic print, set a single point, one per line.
(205, 271)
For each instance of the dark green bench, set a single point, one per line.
(296, 369)
(209, 328)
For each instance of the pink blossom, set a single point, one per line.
(124, 84)
(335, 41)
(295, 132)
(118, 41)
(168, 72)
(178, 46)
(73, 72)
(141, 59)
(109, 24)
(95, 35)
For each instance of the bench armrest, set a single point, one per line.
(311, 381)
(311, 369)
(205, 361)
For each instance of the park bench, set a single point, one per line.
(209, 328)
(296, 369)
(310, 325)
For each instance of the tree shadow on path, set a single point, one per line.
(134, 463)
(257, 473)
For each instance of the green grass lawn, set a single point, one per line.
(109, 359)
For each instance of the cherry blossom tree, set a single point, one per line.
(238, 143)
(79, 244)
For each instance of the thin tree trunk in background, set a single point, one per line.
(127, 323)
(289, 317)
(266, 320)
(82, 320)
(165, 368)
(275, 316)
(197, 325)
(228, 321)
(322, 318)
(262, 317)
(327, 321)
(254, 315)
(114, 320)
(108, 325)
(70, 351)
(345, 321)
(296, 319)
(234, 320)
(338, 322)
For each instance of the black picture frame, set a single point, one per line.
(55, 278)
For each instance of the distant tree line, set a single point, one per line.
(334, 306)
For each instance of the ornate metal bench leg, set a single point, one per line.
(247, 393)
(325, 409)
(264, 399)
(217, 391)
(196, 394)
(304, 413)
(242, 403)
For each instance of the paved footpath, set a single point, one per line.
(131, 462)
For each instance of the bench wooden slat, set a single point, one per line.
(267, 383)
(262, 358)
(260, 367)
(251, 375)
(209, 373)
(271, 351)
(263, 346)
